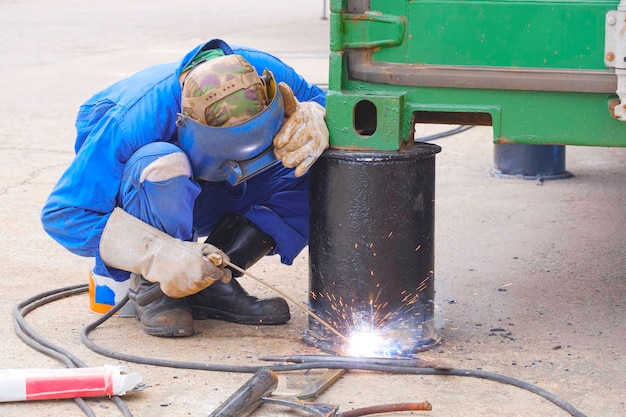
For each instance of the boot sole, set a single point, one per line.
(169, 332)
(207, 313)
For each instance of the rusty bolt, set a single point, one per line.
(610, 56)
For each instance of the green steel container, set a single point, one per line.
(534, 70)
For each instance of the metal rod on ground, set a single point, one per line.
(282, 293)
(407, 362)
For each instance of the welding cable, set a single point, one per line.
(25, 333)
(167, 363)
(324, 362)
(455, 131)
(474, 373)
(31, 338)
(38, 343)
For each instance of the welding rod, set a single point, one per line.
(248, 397)
(407, 362)
(282, 293)
(216, 258)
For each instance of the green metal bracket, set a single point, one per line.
(376, 120)
(367, 30)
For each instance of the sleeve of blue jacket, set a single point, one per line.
(115, 123)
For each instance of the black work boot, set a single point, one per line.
(245, 245)
(159, 314)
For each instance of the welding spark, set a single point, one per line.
(375, 329)
(366, 338)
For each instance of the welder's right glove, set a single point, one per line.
(181, 268)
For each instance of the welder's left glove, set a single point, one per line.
(303, 136)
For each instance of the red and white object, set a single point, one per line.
(47, 384)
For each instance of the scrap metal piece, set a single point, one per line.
(248, 398)
(314, 385)
(320, 410)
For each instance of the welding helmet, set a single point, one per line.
(228, 120)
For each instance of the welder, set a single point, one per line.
(185, 163)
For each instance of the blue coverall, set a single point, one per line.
(130, 124)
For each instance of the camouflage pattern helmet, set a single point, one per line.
(224, 91)
(228, 120)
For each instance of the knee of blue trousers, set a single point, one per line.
(158, 161)
(145, 184)
(157, 187)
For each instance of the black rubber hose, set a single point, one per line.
(456, 130)
(26, 306)
(32, 339)
(315, 364)
(324, 364)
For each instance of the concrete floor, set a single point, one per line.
(545, 263)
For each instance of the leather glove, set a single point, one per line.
(181, 268)
(303, 136)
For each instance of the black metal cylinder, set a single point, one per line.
(530, 161)
(371, 248)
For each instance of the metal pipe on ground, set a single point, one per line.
(248, 397)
